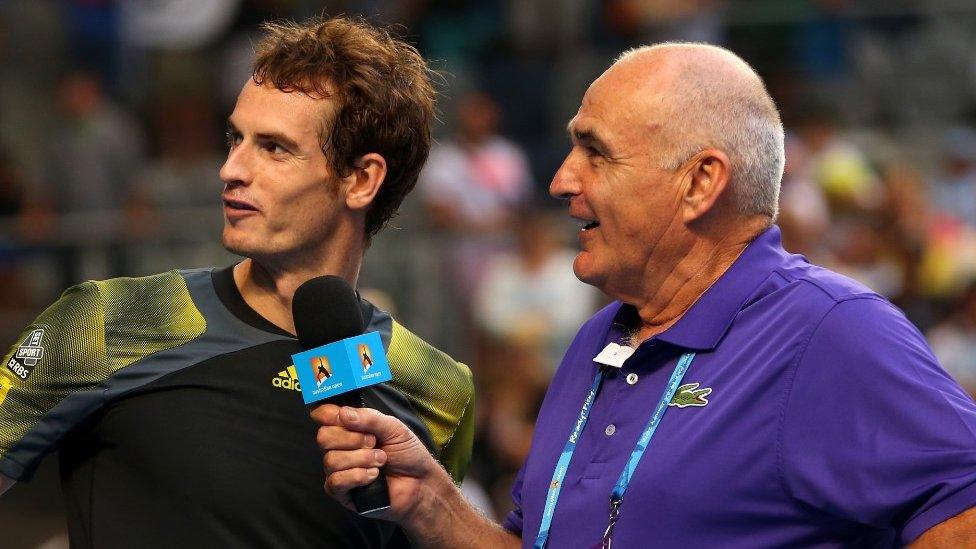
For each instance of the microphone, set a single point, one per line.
(339, 360)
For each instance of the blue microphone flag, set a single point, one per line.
(342, 366)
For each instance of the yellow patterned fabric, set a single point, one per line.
(73, 335)
(148, 315)
(442, 392)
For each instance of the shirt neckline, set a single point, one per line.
(703, 325)
(230, 296)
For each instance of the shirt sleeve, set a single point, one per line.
(456, 455)
(514, 521)
(874, 430)
(62, 352)
(441, 390)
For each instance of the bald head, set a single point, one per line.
(708, 97)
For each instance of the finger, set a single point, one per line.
(354, 459)
(340, 438)
(386, 428)
(326, 414)
(339, 483)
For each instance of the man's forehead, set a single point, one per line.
(269, 106)
(298, 97)
(608, 114)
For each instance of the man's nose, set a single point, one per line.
(565, 183)
(236, 168)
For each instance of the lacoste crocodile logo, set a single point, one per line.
(690, 395)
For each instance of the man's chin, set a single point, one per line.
(584, 270)
(237, 247)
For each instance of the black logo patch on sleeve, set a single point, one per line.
(28, 355)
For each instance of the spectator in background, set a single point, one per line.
(90, 179)
(181, 174)
(955, 191)
(472, 185)
(837, 164)
(18, 219)
(804, 213)
(530, 300)
(473, 182)
(663, 20)
(98, 151)
(527, 311)
(954, 340)
(179, 181)
(905, 219)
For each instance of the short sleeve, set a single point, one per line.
(514, 521)
(874, 430)
(62, 352)
(441, 390)
(456, 455)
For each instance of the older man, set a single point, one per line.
(734, 395)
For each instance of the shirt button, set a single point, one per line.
(631, 379)
(610, 430)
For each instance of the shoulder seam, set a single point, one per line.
(785, 401)
(870, 294)
(96, 285)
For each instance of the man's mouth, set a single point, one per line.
(587, 225)
(239, 205)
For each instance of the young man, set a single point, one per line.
(171, 397)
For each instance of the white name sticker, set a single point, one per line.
(614, 355)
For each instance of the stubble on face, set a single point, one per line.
(283, 170)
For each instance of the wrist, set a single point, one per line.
(433, 522)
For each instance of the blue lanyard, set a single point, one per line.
(620, 488)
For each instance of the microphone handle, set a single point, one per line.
(374, 496)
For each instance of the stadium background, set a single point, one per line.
(111, 123)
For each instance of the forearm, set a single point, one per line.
(959, 531)
(443, 519)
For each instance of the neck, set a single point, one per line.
(268, 287)
(666, 295)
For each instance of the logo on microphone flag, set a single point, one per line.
(321, 369)
(365, 356)
(348, 364)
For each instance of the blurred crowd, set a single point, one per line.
(112, 115)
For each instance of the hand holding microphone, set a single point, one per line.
(357, 442)
(373, 462)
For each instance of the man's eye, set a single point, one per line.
(233, 138)
(274, 148)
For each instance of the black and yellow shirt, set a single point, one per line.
(179, 420)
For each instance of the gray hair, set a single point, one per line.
(729, 110)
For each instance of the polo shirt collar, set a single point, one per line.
(702, 327)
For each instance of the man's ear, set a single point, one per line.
(361, 186)
(708, 176)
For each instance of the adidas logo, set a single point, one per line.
(287, 379)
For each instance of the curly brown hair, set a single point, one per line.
(382, 89)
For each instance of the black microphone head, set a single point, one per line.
(326, 309)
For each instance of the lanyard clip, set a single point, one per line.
(614, 514)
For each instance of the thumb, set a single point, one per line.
(387, 429)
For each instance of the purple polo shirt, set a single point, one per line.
(829, 422)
